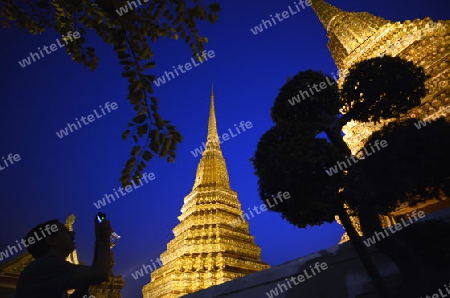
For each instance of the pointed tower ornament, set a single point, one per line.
(346, 30)
(212, 243)
(358, 36)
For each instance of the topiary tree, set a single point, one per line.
(307, 140)
(409, 170)
(382, 88)
(291, 156)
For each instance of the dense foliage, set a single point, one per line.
(306, 141)
(382, 87)
(297, 155)
(411, 168)
(131, 35)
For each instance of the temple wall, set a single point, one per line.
(344, 277)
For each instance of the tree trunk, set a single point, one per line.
(363, 254)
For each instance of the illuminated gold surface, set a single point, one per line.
(354, 37)
(73, 257)
(357, 36)
(206, 250)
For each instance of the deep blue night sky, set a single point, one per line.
(56, 177)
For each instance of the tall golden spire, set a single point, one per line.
(325, 12)
(212, 243)
(212, 126)
(212, 169)
(346, 30)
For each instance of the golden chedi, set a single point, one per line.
(208, 248)
(357, 36)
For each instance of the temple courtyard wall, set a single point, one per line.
(344, 275)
